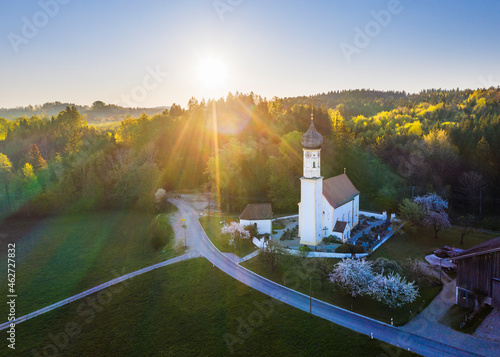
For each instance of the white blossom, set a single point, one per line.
(235, 230)
(393, 290)
(353, 275)
(358, 278)
(434, 207)
(160, 198)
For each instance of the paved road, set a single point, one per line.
(103, 286)
(378, 330)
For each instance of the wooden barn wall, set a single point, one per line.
(496, 265)
(475, 273)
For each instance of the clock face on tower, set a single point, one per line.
(308, 154)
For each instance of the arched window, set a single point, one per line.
(314, 165)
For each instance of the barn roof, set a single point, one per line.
(339, 190)
(257, 212)
(340, 226)
(490, 246)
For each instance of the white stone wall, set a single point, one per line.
(382, 215)
(263, 226)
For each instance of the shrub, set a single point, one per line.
(415, 270)
(252, 229)
(349, 248)
(160, 232)
(385, 266)
(161, 200)
(41, 205)
(332, 239)
(304, 249)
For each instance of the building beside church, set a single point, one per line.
(328, 207)
(259, 215)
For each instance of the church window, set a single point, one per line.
(314, 165)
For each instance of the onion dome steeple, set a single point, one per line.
(312, 139)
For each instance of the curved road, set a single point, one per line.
(378, 330)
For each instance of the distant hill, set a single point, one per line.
(97, 112)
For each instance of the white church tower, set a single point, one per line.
(311, 205)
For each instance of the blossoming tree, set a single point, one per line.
(235, 230)
(434, 212)
(357, 278)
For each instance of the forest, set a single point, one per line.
(246, 149)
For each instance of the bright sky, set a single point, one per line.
(157, 52)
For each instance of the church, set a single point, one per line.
(328, 207)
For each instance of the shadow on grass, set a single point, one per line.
(458, 318)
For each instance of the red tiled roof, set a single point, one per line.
(257, 211)
(340, 227)
(339, 190)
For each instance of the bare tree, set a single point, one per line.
(472, 185)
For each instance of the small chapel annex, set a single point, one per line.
(328, 207)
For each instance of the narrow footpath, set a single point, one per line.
(97, 288)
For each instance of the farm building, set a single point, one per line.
(478, 274)
(260, 215)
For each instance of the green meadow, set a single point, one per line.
(187, 309)
(63, 256)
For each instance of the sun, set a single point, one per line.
(212, 72)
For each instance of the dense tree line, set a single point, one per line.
(97, 112)
(245, 148)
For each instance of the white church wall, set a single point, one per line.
(344, 213)
(319, 212)
(349, 212)
(356, 211)
(327, 218)
(310, 210)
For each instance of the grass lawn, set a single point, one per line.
(62, 256)
(361, 305)
(186, 310)
(422, 243)
(455, 316)
(212, 226)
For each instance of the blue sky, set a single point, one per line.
(82, 51)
